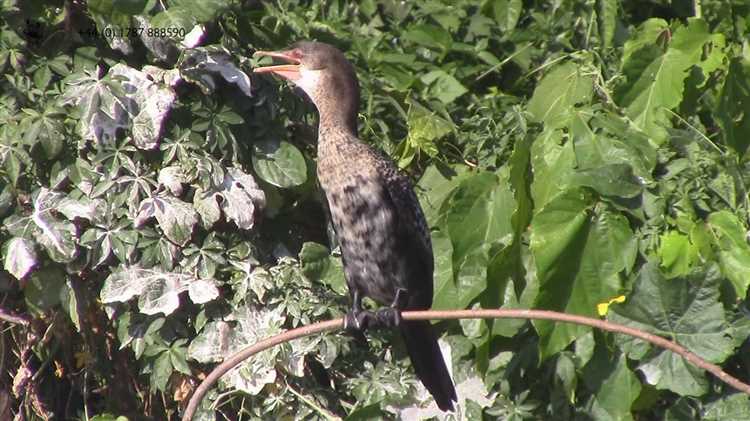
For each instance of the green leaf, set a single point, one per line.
(476, 218)
(279, 163)
(579, 259)
(603, 138)
(609, 180)
(669, 371)
(686, 310)
(161, 371)
(318, 264)
(20, 257)
(425, 128)
(445, 295)
(734, 106)
(430, 36)
(655, 75)
(677, 254)
(42, 291)
(556, 96)
(443, 86)
(553, 162)
(735, 407)
(506, 13)
(606, 13)
(435, 186)
(734, 252)
(614, 385)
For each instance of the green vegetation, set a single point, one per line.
(159, 207)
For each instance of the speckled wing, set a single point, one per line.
(413, 236)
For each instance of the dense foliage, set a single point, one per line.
(159, 208)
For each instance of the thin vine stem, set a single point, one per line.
(337, 324)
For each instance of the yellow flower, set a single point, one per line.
(603, 308)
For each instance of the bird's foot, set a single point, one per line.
(388, 317)
(357, 321)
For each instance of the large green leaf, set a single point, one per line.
(735, 407)
(579, 257)
(435, 187)
(677, 253)
(615, 386)
(734, 106)
(657, 62)
(602, 139)
(686, 310)
(729, 235)
(557, 95)
(553, 162)
(476, 218)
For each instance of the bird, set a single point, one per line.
(382, 232)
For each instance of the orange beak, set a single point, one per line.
(287, 71)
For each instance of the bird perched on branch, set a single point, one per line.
(385, 242)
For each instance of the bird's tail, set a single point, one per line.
(428, 362)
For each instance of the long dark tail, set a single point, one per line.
(427, 360)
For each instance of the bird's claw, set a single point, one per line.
(358, 321)
(388, 317)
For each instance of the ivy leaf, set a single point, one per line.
(20, 257)
(172, 177)
(202, 65)
(157, 291)
(58, 237)
(241, 200)
(175, 217)
(45, 128)
(219, 340)
(279, 163)
(125, 98)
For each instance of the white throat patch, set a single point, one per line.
(309, 82)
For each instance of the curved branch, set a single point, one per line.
(11, 317)
(337, 324)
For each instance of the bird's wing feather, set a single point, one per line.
(414, 237)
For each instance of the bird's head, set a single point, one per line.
(324, 74)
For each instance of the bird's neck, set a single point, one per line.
(337, 124)
(337, 117)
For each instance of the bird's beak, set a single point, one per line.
(287, 71)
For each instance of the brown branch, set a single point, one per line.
(10, 317)
(337, 324)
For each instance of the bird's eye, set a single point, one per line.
(296, 53)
